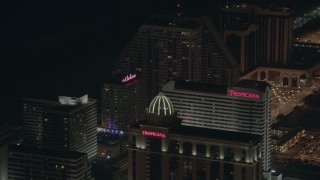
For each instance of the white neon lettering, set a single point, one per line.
(129, 77)
(155, 134)
(244, 94)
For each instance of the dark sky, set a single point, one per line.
(50, 48)
(66, 48)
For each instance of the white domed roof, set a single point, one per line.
(161, 105)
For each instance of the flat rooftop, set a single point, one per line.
(66, 108)
(202, 87)
(251, 84)
(220, 89)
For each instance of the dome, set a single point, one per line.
(161, 105)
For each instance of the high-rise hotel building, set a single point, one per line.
(68, 124)
(244, 107)
(120, 103)
(160, 148)
(258, 34)
(171, 47)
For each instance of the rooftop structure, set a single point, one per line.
(161, 105)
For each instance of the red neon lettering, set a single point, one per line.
(155, 134)
(244, 94)
(129, 77)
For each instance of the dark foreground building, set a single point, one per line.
(37, 163)
(160, 148)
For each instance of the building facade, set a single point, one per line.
(120, 103)
(161, 149)
(37, 163)
(272, 33)
(244, 107)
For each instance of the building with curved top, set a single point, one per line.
(161, 105)
(160, 148)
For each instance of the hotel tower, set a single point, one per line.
(160, 148)
(244, 107)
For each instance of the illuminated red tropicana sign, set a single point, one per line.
(129, 77)
(154, 134)
(244, 94)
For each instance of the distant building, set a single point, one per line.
(161, 149)
(244, 107)
(177, 47)
(299, 75)
(282, 137)
(37, 163)
(259, 34)
(120, 103)
(68, 124)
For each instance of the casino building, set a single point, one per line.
(244, 108)
(160, 148)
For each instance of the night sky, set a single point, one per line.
(62, 48)
(50, 48)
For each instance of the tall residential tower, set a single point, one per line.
(176, 47)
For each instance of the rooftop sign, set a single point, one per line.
(154, 134)
(129, 77)
(243, 94)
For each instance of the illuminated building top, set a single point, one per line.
(161, 105)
